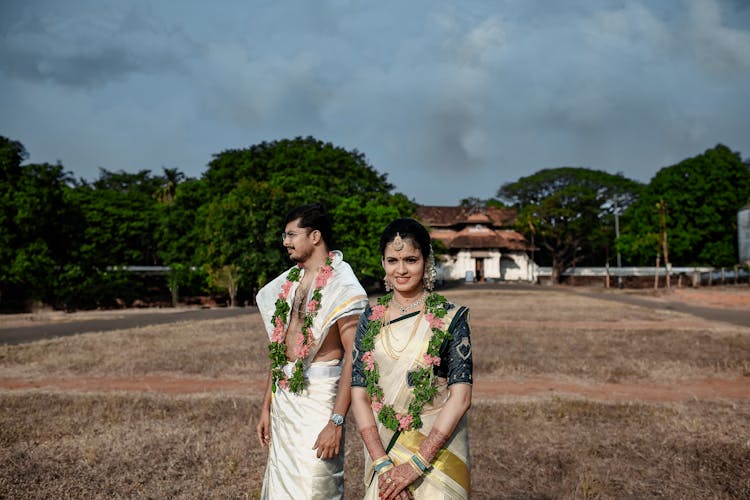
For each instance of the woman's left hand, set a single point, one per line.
(393, 484)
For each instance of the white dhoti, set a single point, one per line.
(294, 471)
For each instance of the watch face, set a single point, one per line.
(337, 419)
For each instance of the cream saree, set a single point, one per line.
(449, 477)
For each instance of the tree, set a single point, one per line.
(295, 172)
(166, 192)
(118, 219)
(33, 239)
(563, 210)
(241, 233)
(113, 223)
(701, 196)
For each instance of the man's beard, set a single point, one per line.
(300, 257)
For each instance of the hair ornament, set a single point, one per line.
(398, 243)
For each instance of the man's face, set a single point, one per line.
(297, 241)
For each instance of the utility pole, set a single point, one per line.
(617, 237)
(665, 247)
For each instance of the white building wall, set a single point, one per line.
(491, 265)
(516, 267)
(456, 267)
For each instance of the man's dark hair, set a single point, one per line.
(313, 216)
(407, 229)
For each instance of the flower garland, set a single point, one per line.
(277, 347)
(422, 378)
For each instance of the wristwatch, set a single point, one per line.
(337, 419)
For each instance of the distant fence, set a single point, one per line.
(640, 277)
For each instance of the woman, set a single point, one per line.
(411, 380)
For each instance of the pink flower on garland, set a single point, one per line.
(432, 360)
(301, 351)
(313, 305)
(283, 383)
(278, 331)
(285, 288)
(434, 321)
(378, 313)
(324, 274)
(377, 405)
(303, 348)
(404, 421)
(368, 359)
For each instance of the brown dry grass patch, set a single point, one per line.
(129, 443)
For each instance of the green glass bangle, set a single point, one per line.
(382, 464)
(419, 463)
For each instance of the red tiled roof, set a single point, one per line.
(438, 216)
(505, 239)
(463, 227)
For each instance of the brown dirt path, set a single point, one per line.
(732, 298)
(680, 390)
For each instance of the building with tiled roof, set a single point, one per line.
(481, 243)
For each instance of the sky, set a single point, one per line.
(450, 99)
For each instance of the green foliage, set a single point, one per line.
(229, 219)
(242, 229)
(118, 227)
(33, 241)
(82, 287)
(280, 175)
(306, 169)
(702, 196)
(565, 210)
(227, 278)
(181, 224)
(359, 221)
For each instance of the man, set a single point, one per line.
(310, 313)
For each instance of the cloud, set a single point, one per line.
(716, 45)
(91, 48)
(450, 100)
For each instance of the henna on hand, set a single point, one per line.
(400, 477)
(371, 438)
(432, 445)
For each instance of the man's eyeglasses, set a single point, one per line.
(291, 235)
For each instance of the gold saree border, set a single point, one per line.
(445, 461)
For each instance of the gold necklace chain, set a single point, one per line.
(388, 347)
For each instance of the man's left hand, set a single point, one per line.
(328, 441)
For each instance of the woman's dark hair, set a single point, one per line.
(313, 216)
(407, 229)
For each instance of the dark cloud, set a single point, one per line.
(449, 100)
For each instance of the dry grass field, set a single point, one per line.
(575, 398)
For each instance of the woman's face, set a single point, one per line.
(404, 268)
